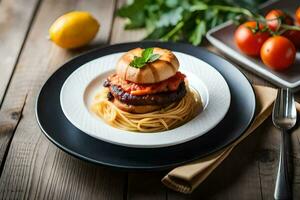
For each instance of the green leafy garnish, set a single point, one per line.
(183, 20)
(147, 57)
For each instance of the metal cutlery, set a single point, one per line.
(284, 118)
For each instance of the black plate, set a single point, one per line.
(72, 140)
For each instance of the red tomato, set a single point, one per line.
(273, 19)
(294, 37)
(297, 15)
(248, 41)
(278, 53)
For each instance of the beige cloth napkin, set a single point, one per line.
(186, 178)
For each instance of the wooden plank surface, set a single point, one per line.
(118, 34)
(14, 22)
(146, 186)
(34, 168)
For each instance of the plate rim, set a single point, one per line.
(152, 167)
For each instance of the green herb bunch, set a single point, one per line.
(147, 57)
(183, 20)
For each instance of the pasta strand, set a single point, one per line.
(166, 118)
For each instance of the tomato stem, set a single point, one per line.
(280, 29)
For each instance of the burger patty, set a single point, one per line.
(170, 84)
(163, 98)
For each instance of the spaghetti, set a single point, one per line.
(166, 118)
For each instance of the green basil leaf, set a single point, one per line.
(154, 57)
(137, 62)
(146, 54)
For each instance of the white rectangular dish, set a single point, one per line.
(222, 38)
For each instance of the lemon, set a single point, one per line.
(74, 29)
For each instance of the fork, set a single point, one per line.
(284, 118)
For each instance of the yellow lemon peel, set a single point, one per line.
(74, 29)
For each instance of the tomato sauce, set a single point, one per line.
(170, 84)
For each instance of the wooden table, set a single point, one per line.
(33, 168)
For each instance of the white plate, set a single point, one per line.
(81, 86)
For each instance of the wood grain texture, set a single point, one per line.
(35, 168)
(15, 20)
(146, 186)
(118, 35)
